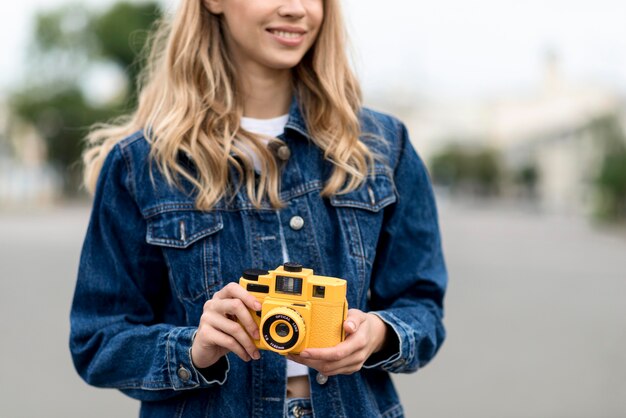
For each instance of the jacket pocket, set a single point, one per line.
(180, 229)
(372, 196)
(360, 214)
(190, 243)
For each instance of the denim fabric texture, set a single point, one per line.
(150, 260)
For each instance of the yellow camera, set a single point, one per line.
(299, 309)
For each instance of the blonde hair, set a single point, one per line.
(188, 102)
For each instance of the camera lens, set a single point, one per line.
(282, 330)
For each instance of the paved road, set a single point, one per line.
(536, 316)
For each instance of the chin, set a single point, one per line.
(285, 64)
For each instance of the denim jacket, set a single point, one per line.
(150, 260)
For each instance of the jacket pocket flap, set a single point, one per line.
(373, 195)
(180, 229)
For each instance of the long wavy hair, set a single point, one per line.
(189, 102)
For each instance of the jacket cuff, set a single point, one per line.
(183, 374)
(396, 355)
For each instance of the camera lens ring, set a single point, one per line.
(285, 316)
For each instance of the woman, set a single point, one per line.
(249, 147)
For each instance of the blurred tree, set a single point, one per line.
(526, 178)
(611, 178)
(474, 169)
(69, 43)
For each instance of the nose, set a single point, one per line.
(292, 8)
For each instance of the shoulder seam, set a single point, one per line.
(129, 140)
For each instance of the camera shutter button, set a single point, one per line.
(321, 379)
(296, 223)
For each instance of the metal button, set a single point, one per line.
(321, 379)
(283, 152)
(296, 223)
(184, 374)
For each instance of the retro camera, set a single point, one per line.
(299, 309)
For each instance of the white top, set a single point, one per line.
(270, 128)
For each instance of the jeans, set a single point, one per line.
(298, 408)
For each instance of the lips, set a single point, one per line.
(288, 36)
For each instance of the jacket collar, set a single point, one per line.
(296, 121)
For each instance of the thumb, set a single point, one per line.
(353, 321)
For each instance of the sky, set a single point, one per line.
(446, 48)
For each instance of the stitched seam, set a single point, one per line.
(183, 244)
(130, 180)
(361, 249)
(393, 412)
(180, 409)
(205, 267)
(128, 141)
(167, 358)
(170, 274)
(219, 265)
(166, 207)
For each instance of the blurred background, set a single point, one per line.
(518, 109)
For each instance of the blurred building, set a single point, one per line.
(26, 179)
(544, 128)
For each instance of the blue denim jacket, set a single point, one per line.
(151, 259)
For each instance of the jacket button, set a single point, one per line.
(283, 152)
(183, 374)
(296, 223)
(321, 379)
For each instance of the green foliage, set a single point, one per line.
(67, 43)
(123, 32)
(611, 178)
(478, 170)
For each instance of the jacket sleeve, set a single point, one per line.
(409, 276)
(120, 336)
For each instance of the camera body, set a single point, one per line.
(299, 309)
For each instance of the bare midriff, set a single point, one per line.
(298, 387)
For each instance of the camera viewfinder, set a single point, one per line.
(319, 291)
(290, 285)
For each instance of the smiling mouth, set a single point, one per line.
(285, 34)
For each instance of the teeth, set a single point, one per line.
(289, 35)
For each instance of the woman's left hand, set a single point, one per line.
(365, 335)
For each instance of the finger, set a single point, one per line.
(350, 369)
(233, 290)
(236, 331)
(354, 319)
(217, 337)
(314, 364)
(236, 308)
(342, 350)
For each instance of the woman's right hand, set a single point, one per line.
(219, 332)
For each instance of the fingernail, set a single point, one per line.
(256, 335)
(351, 325)
(256, 355)
(305, 354)
(257, 306)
